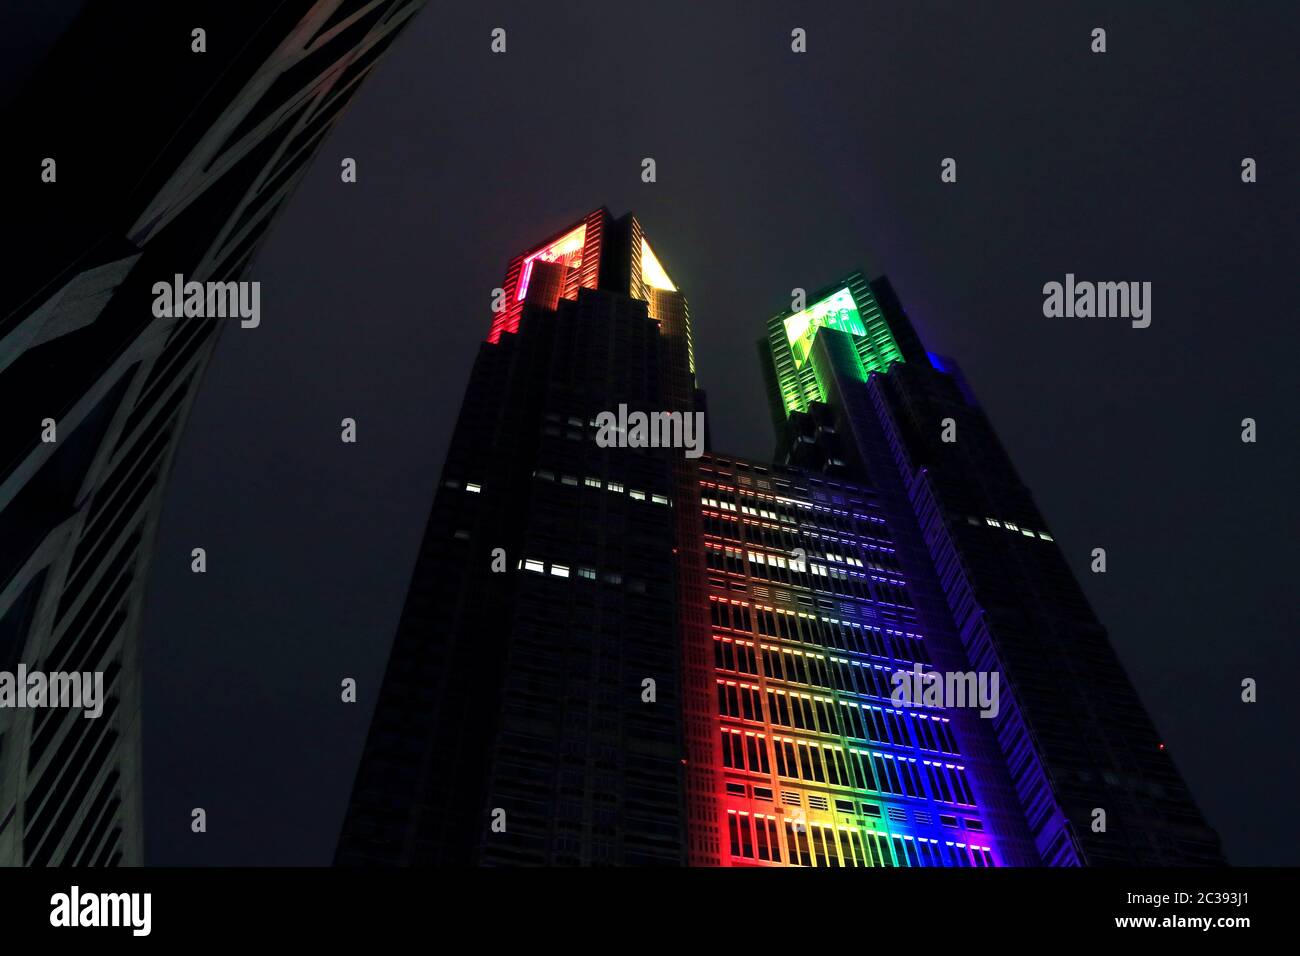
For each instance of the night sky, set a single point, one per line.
(775, 170)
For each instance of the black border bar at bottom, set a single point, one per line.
(600, 908)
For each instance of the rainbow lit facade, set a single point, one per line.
(810, 616)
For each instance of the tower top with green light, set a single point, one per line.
(849, 306)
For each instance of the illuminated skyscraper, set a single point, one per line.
(515, 724)
(854, 393)
(634, 655)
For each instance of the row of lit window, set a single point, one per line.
(995, 523)
(756, 837)
(822, 715)
(778, 537)
(795, 666)
(870, 811)
(726, 470)
(589, 482)
(864, 721)
(723, 493)
(742, 657)
(797, 564)
(587, 574)
(746, 509)
(840, 635)
(818, 670)
(823, 631)
(782, 570)
(863, 770)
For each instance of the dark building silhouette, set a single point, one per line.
(618, 654)
(165, 161)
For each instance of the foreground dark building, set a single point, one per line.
(612, 654)
(133, 157)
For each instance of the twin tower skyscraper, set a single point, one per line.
(619, 653)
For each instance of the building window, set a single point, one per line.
(470, 486)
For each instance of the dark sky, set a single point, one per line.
(774, 171)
